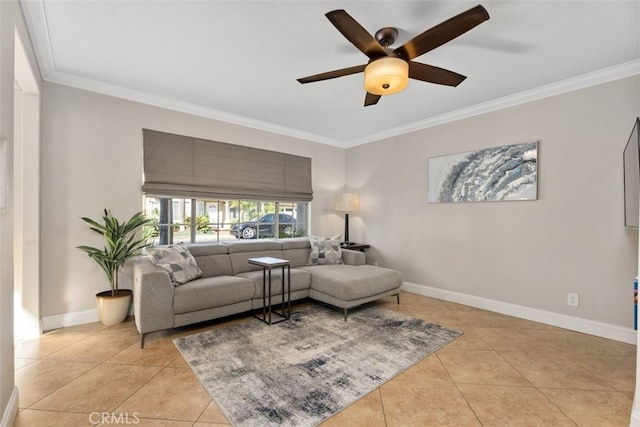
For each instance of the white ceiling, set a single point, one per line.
(238, 61)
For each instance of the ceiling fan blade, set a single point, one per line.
(443, 32)
(371, 99)
(431, 74)
(355, 33)
(333, 74)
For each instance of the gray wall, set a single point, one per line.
(92, 159)
(529, 253)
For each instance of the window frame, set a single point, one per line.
(170, 224)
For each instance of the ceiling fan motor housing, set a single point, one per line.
(386, 36)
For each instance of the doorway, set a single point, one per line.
(26, 197)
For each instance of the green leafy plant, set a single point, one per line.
(120, 243)
(151, 229)
(202, 223)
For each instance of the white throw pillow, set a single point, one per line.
(325, 250)
(177, 260)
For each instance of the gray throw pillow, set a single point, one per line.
(325, 250)
(178, 262)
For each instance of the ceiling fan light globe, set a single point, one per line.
(386, 76)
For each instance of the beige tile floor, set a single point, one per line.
(503, 371)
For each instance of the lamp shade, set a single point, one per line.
(386, 76)
(347, 202)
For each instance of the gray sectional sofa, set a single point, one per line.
(230, 285)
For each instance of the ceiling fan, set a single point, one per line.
(388, 71)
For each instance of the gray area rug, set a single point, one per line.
(301, 372)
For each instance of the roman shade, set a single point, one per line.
(182, 166)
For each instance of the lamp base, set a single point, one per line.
(346, 227)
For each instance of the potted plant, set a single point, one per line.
(120, 245)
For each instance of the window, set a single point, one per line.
(201, 220)
(202, 190)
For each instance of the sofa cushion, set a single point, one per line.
(297, 257)
(296, 250)
(325, 250)
(215, 265)
(212, 258)
(240, 260)
(294, 243)
(207, 249)
(211, 292)
(348, 282)
(300, 279)
(177, 261)
(236, 246)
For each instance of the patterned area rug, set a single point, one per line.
(301, 372)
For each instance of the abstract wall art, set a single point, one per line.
(508, 172)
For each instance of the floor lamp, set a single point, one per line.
(347, 202)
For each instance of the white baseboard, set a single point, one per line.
(58, 321)
(11, 411)
(605, 330)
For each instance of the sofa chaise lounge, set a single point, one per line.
(229, 284)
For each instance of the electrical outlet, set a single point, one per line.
(573, 299)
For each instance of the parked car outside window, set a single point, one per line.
(264, 227)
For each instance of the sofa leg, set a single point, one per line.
(345, 314)
(142, 340)
(398, 296)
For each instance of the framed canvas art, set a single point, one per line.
(508, 172)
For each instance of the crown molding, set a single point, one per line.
(134, 95)
(616, 72)
(38, 28)
(587, 80)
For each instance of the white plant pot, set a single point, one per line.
(113, 309)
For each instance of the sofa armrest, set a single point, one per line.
(351, 257)
(152, 297)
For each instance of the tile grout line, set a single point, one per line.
(384, 414)
(459, 390)
(534, 386)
